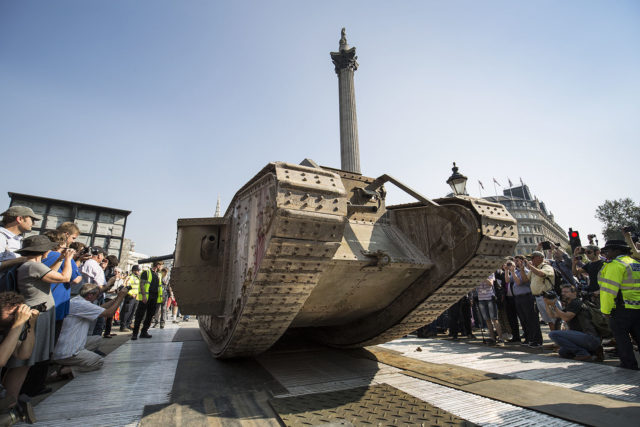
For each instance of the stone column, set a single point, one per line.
(345, 64)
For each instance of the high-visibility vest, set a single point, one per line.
(621, 275)
(134, 282)
(145, 282)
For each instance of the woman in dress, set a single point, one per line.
(34, 284)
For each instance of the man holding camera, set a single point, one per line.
(73, 347)
(592, 268)
(542, 278)
(15, 341)
(91, 270)
(619, 282)
(524, 302)
(581, 341)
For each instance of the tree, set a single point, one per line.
(615, 214)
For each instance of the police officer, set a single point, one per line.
(148, 298)
(131, 300)
(619, 281)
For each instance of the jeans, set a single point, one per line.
(488, 309)
(574, 343)
(127, 311)
(512, 316)
(543, 311)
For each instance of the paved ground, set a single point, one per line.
(172, 380)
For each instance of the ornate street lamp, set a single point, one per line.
(457, 182)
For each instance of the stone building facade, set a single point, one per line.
(535, 223)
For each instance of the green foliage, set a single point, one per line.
(615, 214)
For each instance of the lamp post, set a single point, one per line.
(457, 182)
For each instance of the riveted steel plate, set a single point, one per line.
(380, 405)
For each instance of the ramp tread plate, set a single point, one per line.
(381, 405)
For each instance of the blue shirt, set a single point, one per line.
(61, 291)
(522, 288)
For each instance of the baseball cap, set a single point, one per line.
(22, 211)
(537, 253)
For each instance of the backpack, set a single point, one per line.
(558, 280)
(9, 280)
(599, 322)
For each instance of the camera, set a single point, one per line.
(40, 307)
(546, 245)
(629, 229)
(550, 294)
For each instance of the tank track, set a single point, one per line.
(499, 237)
(304, 237)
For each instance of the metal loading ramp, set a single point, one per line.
(173, 380)
(380, 405)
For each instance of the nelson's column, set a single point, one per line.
(345, 64)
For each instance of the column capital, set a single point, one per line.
(345, 59)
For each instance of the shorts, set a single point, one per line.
(488, 309)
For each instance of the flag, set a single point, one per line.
(480, 182)
(510, 183)
(494, 180)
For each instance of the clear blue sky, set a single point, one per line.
(159, 106)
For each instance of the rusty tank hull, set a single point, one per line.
(315, 252)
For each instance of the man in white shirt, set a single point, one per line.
(16, 221)
(91, 270)
(73, 347)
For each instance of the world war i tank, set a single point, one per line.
(315, 252)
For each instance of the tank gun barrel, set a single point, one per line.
(155, 258)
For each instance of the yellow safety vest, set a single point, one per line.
(146, 283)
(134, 282)
(621, 275)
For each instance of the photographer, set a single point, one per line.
(563, 263)
(525, 302)
(73, 348)
(581, 341)
(542, 278)
(592, 268)
(18, 342)
(34, 283)
(61, 291)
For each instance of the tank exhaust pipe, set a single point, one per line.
(345, 65)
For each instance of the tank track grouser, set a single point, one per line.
(314, 252)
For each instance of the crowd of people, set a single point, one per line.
(58, 301)
(588, 298)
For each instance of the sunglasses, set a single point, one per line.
(588, 252)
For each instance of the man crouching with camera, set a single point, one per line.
(581, 341)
